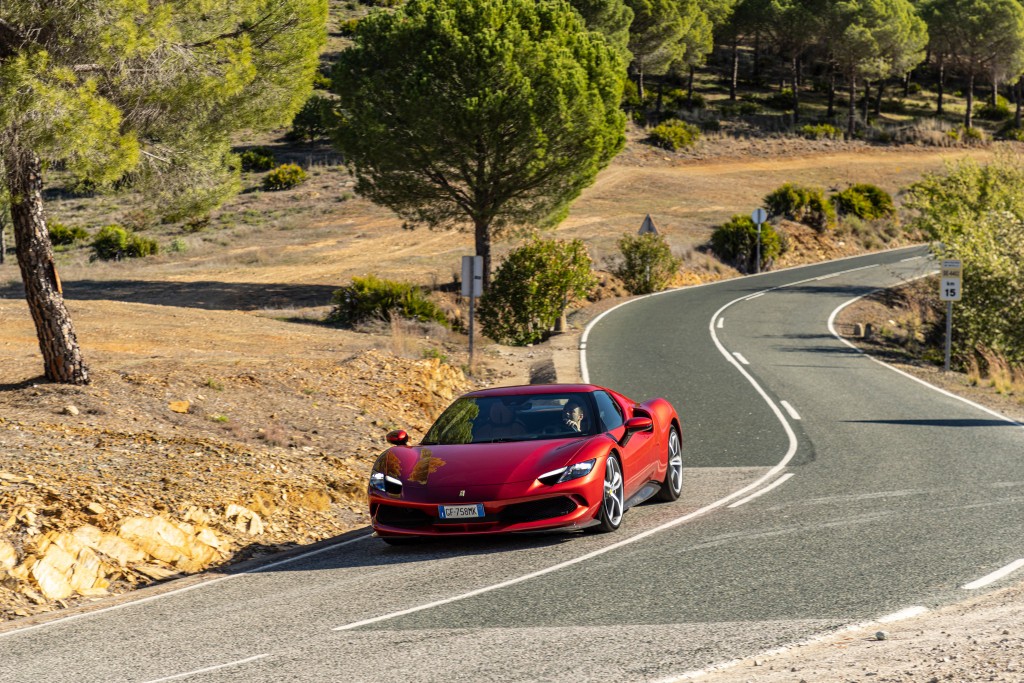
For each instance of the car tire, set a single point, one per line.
(613, 498)
(673, 484)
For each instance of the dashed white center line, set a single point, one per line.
(721, 323)
(740, 358)
(994, 576)
(789, 409)
(207, 669)
(763, 491)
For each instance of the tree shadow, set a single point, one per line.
(207, 295)
(946, 422)
(24, 384)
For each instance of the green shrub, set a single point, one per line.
(1011, 132)
(630, 94)
(284, 177)
(805, 205)
(321, 81)
(783, 100)
(112, 243)
(257, 159)
(728, 109)
(531, 289)
(62, 235)
(914, 89)
(821, 131)
(311, 122)
(735, 243)
(865, 201)
(371, 298)
(749, 108)
(1000, 111)
(647, 263)
(675, 135)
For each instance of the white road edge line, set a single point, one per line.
(832, 329)
(757, 494)
(740, 358)
(823, 638)
(584, 371)
(194, 586)
(207, 669)
(994, 576)
(754, 296)
(789, 409)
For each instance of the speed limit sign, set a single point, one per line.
(950, 280)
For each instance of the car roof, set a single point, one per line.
(534, 389)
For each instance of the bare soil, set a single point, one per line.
(284, 415)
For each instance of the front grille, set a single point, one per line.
(402, 517)
(536, 510)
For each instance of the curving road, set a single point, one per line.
(823, 489)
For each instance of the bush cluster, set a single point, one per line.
(647, 263)
(865, 201)
(783, 100)
(1000, 111)
(805, 205)
(372, 298)
(62, 235)
(311, 122)
(112, 243)
(532, 288)
(284, 177)
(735, 243)
(257, 159)
(675, 135)
(821, 131)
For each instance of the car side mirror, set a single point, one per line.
(634, 425)
(399, 437)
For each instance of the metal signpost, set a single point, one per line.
(950, 289)
(759, 216)
(472, 286)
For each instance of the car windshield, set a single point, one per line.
(493, 419)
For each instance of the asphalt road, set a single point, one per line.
(874, 494)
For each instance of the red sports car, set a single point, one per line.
(527, 458)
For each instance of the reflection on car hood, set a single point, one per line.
(484, 464)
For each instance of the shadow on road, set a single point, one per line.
(960, 422)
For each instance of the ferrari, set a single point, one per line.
(525, 459)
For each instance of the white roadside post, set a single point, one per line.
(472, 286)
(759, 216)
(950, 289)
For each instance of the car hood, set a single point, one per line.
(484, 464)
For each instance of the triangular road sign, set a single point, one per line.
(648, 227)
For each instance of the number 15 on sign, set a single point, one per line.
(949, 289)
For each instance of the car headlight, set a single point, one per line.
(385, 483)
(564, 474)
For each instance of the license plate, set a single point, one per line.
(460, 511)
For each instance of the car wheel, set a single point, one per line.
(613, 501)
(673, 484)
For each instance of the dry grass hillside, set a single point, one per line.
(223, 422)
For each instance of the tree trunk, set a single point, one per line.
(3, 240)
(942, 83)
(995, 90)
(735, 75)
(878, 97)
(867, 100)
(689, 87)
(640, 85)
(906, 84)
(796, 90)
(831, 92)
(1019, 91)
(757, 57)
(659, 103)
(482, 238)
(852, 117)
(969, 115)
(62, 359)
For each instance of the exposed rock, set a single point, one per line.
(70, 410)
(182, 407)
